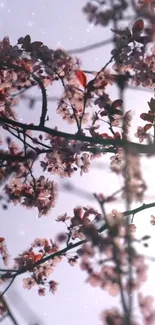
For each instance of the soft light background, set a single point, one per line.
(62, 24)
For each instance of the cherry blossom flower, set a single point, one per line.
(117, 161)
(112, 316)
(28, 283)
(147, 310)
(4, 251)
(62, 218)
(42, 291)
(127, 121)
(83, 161)
(53, 285)
(152, 220)
(141, 268)
(141, 134)
(94, 280)
(114, 217)
(132, 228)
(3, 309)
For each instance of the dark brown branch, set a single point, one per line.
(8, 157)
(44, 100)
(141, 208)
(132, 147)
(9, 311)
(69, 247)
(9, 285)
(134, 211)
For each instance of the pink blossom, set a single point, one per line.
(141, 134)
(28, 283)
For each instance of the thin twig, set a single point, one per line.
(10, 314)
(71, 245)
(9, 285)
(89, 47)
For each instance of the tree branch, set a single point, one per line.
(132, 146)
(9, 311)
(9, 285)
(67, 248)
(8, 157)
(89, 47)
(44, 100)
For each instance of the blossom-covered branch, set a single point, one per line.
(103, 244)
(132, 147)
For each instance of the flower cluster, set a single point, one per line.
(109, 258)
(40, 193)
(76, 223)
(130, 168)
(141, 134)
(4, 251)
(65, 157)
(105, 260)
(57, 64)
(113, 316)
(71, 105)
(149, 117)
(134, 58)
(135, 184)
(146, 308)
(103, 17)
(22, 63)
(40, 273)
(3, 310)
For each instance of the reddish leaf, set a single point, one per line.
(36, 68)
(117, 103)
(147, 127)
(37, 257)
(72, 261)
(138, 26)
(143, 39)
(104, 113)
(2, 239)
(146, 237)
(31, 255)
(78, 213)
(111, 199)
(117, 135)
(151, 104)
(81, 77)
(144, 116)
(26, 42)
(147, 117)
(2, 91)
(26, 65)
(20, 40)
(105, 136)
(105, 82)
(36, 45)
(46, 244)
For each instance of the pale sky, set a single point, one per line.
(61, 24)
